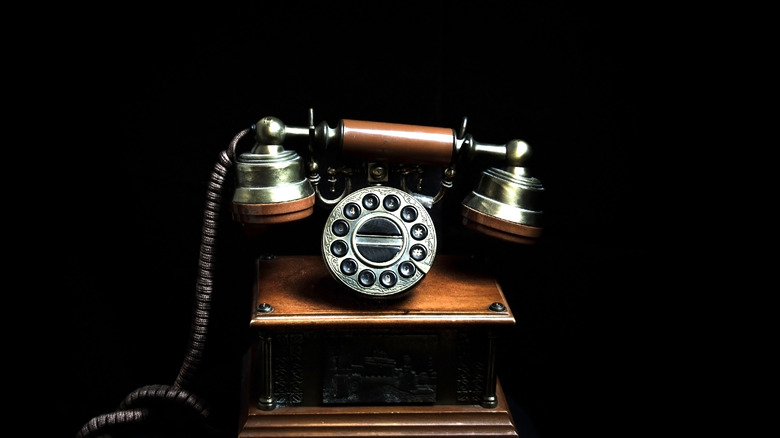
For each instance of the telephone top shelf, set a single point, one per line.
(298, 292)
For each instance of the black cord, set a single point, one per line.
(146, 405)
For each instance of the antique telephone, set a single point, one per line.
(378, 241)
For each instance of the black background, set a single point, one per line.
(172, 89)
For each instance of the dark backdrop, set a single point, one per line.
(173, 88)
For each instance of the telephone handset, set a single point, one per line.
(380, 240)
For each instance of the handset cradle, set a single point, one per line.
(380, 255)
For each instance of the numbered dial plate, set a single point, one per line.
(379, 241)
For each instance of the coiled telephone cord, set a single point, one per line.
(143, 405)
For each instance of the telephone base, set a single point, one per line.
(327, 363)
(383, 421)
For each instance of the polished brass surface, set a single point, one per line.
(505, 197)
(271, 183)
(271, 177)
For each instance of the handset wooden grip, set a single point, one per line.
(378, 141)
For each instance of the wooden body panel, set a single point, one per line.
(302, 293)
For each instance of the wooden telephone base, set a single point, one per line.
(288, 389)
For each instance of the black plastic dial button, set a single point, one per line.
(418, 252)
(338, 248)
(388, 278)
(367, 277)
(419, 232)
(406, 269)
(340, 228)
(409, 213)
(351, 210)
(391, 203)
(348, 266)
(371, 201)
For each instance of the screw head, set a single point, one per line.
(265, 308)
(497, 307)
